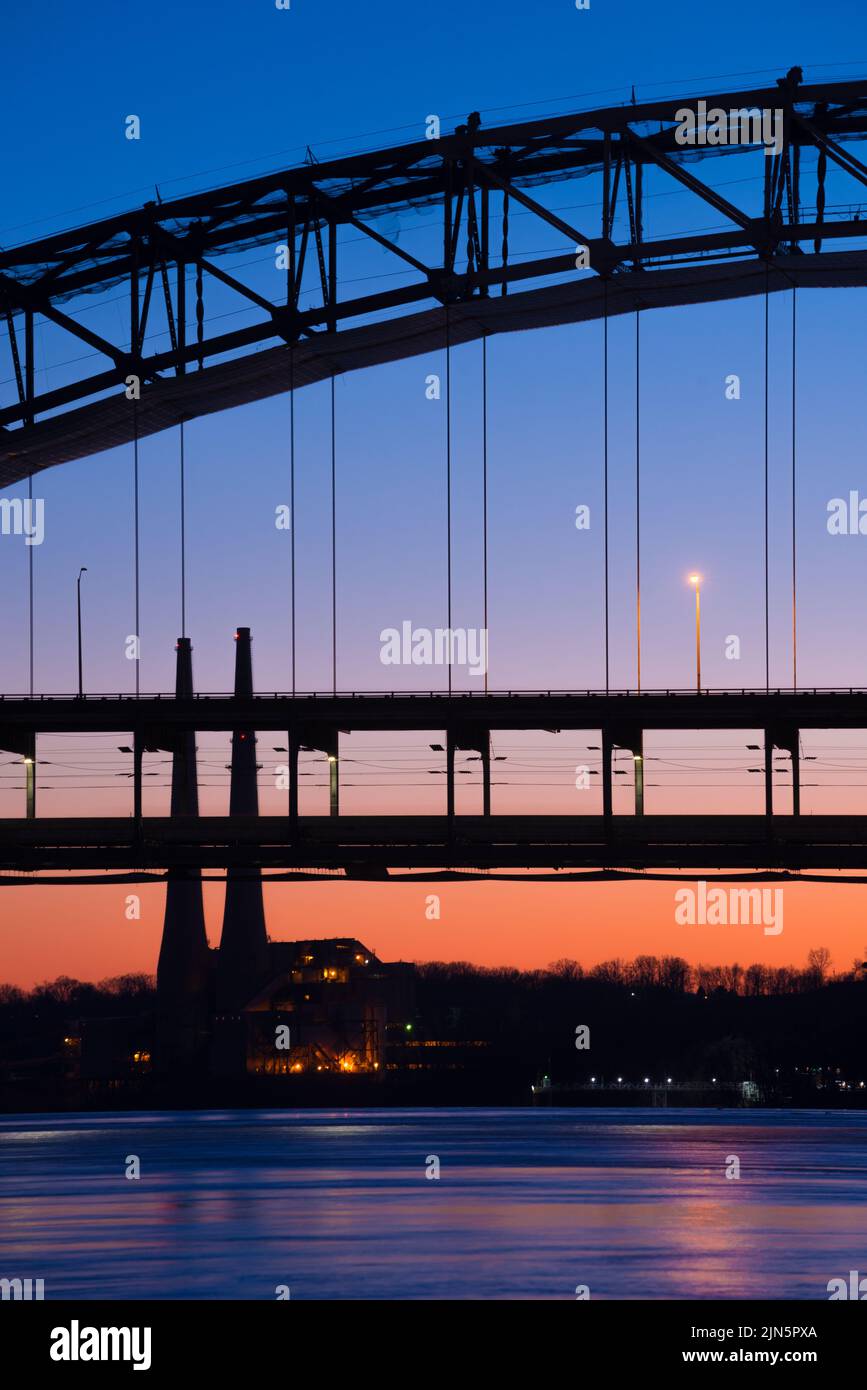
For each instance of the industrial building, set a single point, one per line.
(256, 1007)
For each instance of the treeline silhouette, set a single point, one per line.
(64, 999)
(787, 1029)
(35, 1023)
(796, 1032)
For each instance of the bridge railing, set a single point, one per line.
(479, 696)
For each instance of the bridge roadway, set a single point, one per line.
(316, 721)
(434, 710)
(368, 846)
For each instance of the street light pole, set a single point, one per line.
(695, 580)
(82, 571)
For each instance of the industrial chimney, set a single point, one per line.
(182, 972)
(243, 965)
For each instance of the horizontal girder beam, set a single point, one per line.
(404, 711)
(361, 844)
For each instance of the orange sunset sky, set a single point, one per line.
(84, 932)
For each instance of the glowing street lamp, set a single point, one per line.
(82, 571)
(695, 581)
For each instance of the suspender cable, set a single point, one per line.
(333, 547)
(767, 582)
(292, 508)
(135, 512)
(605, 465)
(183, 540)
(485, 497)
(30, 579)
(638, 493)
(449, 487)
(794, 511)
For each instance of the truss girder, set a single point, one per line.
(460, 173)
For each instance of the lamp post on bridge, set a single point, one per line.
(82, 571)
(695, 580)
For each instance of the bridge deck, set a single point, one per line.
(366, 843)
(383, 711)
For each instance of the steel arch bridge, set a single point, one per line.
(475, 285)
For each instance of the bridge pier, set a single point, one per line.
(137, 755)
(23, 742)
(632, 739)
(294, 749)
(788, 738)
(333, 786)
(450, 779)
(486, 777)
(796, 779)
(320, 740)
(607, 795)
(30, 767)
(474, 739)
(638, 768)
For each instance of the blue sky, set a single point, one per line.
(224, 91)
(228, 90)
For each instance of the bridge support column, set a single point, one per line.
(292, 746)
(13, 741)
(638, 766)
(30, 767)
(137, 752)
(473, 738)
(318, 740)
(333, 785)
(789, 740)
(607, 752)
(632, 738)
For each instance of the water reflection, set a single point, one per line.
(529, 1204)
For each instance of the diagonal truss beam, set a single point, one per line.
(461, 176)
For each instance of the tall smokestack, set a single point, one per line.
(182, 972)
(244, 943)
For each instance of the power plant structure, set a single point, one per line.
(253, 1006)
(183, 971)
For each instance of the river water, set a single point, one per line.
(528, 1203)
